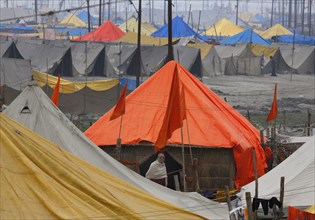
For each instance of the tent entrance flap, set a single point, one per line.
(173, 168)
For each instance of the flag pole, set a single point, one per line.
(118, 144)
(183, 158)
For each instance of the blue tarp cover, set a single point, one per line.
(298, 39)
(247, 36)
(179, 29)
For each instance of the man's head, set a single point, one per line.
(161, 157)
(271, 57)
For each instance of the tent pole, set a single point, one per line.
(183, 158)
(170, 34)
(292, 54)
(138, 71)
(88, 12)
(237, 12)
(271, 20)
(100, 14)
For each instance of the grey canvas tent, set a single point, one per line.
(46, 57)
(212, 63)
(15, 73)
(9, 50)
(301, 59)
(47, 120)
(93, 53)
(238, 59)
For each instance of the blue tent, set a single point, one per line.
(247, 36)
(72, 31)
(83, 15)
(179, 29)
(298, 39)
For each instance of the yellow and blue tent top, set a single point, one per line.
(73, 20)
(275, 30)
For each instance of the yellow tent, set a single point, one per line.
(69, 87)
(73, 20)
(276, 30)
(204, 49)
(245, 16)
(132, 26)
(132, 37)
(40, 180)
(310, 209)
(224, 28)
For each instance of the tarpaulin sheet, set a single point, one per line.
(212, 121)
(107, 32)
(299, 183)
(83, 15)
(71, 87)
(40, 180)
(298, 39)
(132, 38)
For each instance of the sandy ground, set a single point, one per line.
(256, 93)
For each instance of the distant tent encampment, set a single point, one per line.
(83, 15)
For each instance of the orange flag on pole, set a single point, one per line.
(174, 114)
(120, 106)
(55, 95)
(274, 108)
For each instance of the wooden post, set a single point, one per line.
(249, 206)
(274, 147)
(268, 132)
(228, 200)
(118, 149)
(195, 166)
(255, 172)
(262, 139)
(281, 194)
(248, 115)
(309, 118)
(183, 158)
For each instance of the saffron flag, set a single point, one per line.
(174, 114)
(120, 106)
(274, 108)
(55, 95)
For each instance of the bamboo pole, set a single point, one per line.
(183, 158)
(249, 206)
(281, 193)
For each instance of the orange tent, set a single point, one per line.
(212, 122)
(107, 32)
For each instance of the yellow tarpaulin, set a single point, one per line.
(132, 38)
(40, 180)
(70, 87)
(276, 30)
(72, 19)
(132, 26)
(268, 51)
(310, 209)
(224, 28)
(204, 49)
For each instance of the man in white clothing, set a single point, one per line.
(157, 171)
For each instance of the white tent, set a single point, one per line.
(34, 109)
(298, 171)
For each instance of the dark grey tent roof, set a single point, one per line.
(190, 58)
(15, 73)
(47, 57)
(8, 49)
(4, 46)
(86, 51)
